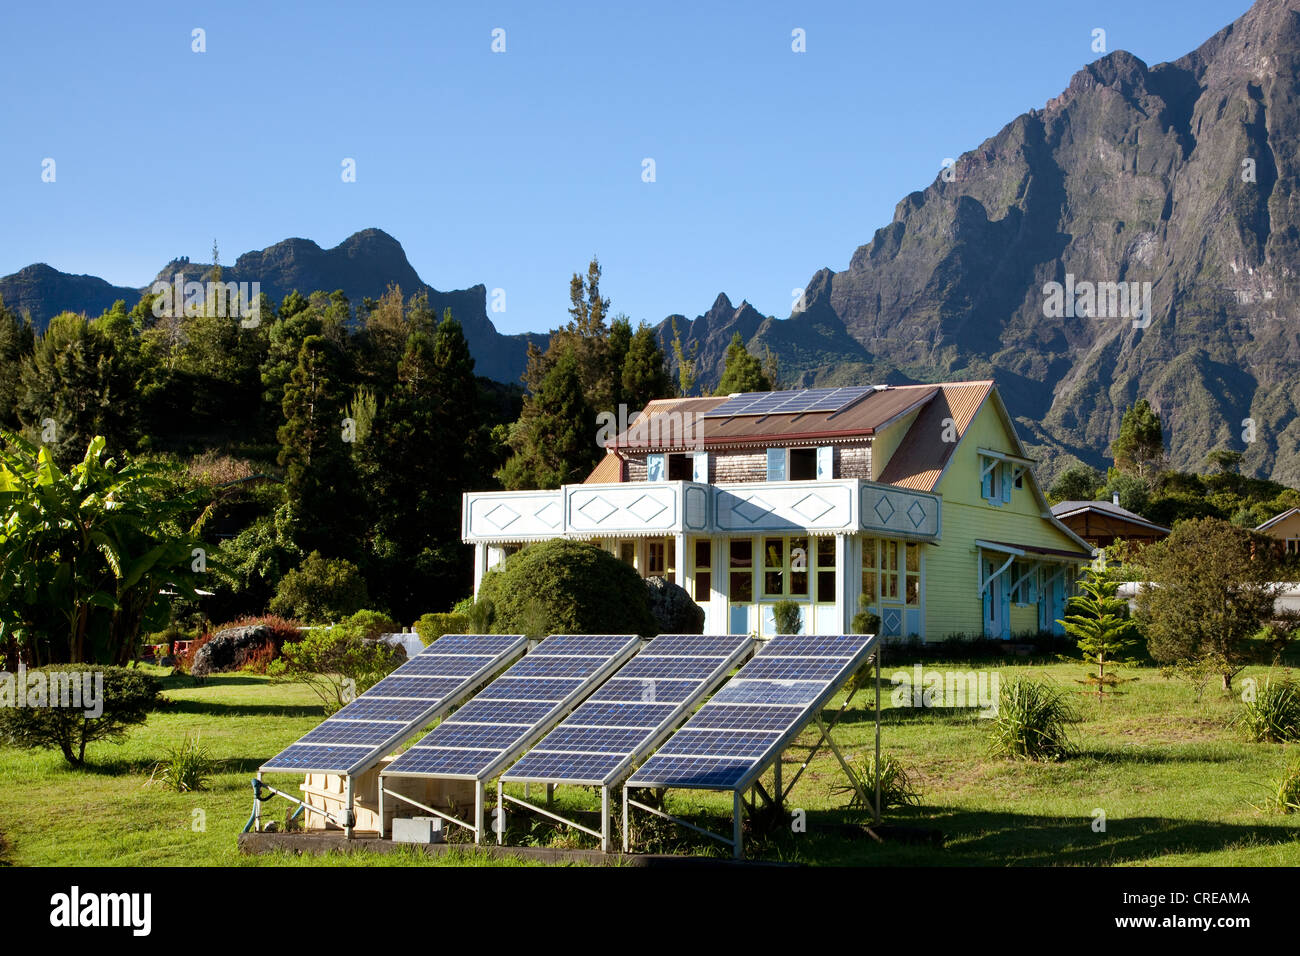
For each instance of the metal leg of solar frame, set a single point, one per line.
(627, 845)
(501, 812)
(257, 804)
(776, 785)
(550, 793)
(737, 824)
(604, 819)
(382, 829)
(877, 808)
(479, 796)
(347, 807)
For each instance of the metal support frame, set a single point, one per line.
(347, 822)
(738, 803)
(476, 827)
(603, 834)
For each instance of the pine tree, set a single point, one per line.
(742, 372)
(1140, 447)
(645, 376)
(554, 439)
(1098, 620)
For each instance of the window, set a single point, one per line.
(1293, 545)
(703, 569)
(996, 480)
(913, 571)
(655, 558)
(741, 556)
(889, 568)
(773, 567)
(825, 571)
(870, 572)
(800, 561)
(654, 467)
(627, 552)
(776, 464)
(1020, 478)
(803, 464)
(680, 467)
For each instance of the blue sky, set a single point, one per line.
(513, 168)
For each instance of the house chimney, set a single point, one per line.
(1114, 498)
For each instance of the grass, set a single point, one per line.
(1176, 783)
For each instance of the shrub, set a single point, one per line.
(896, 786)
(1271, 714)
(338, 663)
(787, 617)
(126, 696)
(432, 626)
(566, 587)
(1285, 794)
(672, 607)
(185, 663)
(369, 625)
(1030, 722)
(320, 590)
(186, 767)
(864, 622)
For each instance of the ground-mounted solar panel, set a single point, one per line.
(492, 730)
(601, 741)
(738, 732)
(413, 695)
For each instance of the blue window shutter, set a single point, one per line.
(654, 468)
(825, 462)
(776, 464)
(1006, 482)
(986, 481)
(700, 467)
(1006, 611)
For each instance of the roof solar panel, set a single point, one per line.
(396, 707)
(736, 734)
(790, 402)
(491, 731)
(602, 739)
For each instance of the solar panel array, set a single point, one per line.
(492, 730)
(790, 403)
(600, 741)
(736, 734)
(396, 707)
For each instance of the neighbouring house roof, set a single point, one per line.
(1277, 519)
(920, 459)
(656, 428)
(1067, 509)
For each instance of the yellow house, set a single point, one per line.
(919, 498)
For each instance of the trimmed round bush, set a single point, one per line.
(673, 609)
(321, 590)
(567, 587)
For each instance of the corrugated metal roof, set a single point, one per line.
(608, 471)
(679, 423)
(921, 456)
(1067, 508)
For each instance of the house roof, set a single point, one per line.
(920, 459)
(671, 423)
(1277, 519)
(1067, 509)
(1038, 549)
(608, 471)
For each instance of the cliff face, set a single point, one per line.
(1184, 176)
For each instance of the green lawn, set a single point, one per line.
(1175, 782)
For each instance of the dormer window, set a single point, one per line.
(996, 480)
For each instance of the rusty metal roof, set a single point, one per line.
(608, 471)
(680, 423)
(921, 457)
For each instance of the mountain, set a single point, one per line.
(1185, 175)
(362, 265)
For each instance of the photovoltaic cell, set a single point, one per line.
(647, 690)
(791, 402)
(733, 737)
(529, 688)
(557, 666)
(528, 699)
(399, 705)
(601, 740)
(578, 768)
(334, 731)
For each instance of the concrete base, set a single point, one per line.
(320, 842)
